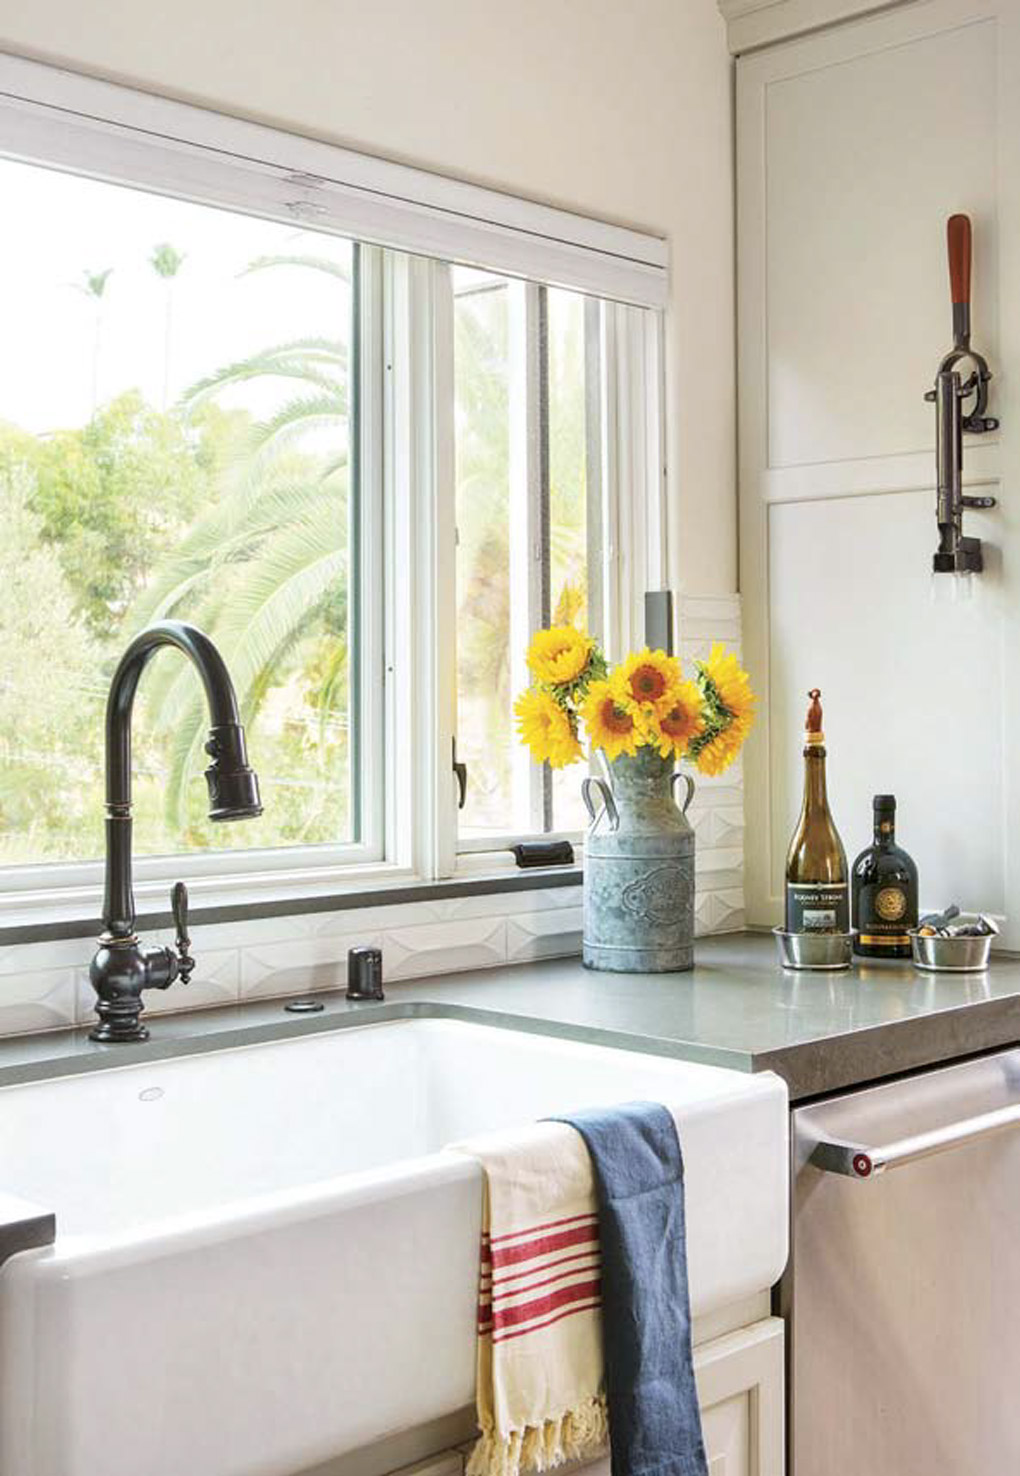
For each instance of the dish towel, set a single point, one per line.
(654, 1419)
(540, 1368)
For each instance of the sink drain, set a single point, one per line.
(304, 1006)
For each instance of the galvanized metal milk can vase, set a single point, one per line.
(639, 868)
(641, 717)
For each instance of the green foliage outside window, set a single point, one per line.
(198, 512)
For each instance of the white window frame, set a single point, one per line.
(77, 124)
(627, 459)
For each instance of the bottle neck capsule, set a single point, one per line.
(885, 828)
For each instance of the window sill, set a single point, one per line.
(47, 918)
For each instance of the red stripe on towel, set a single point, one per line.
(539, 1306)
(498, 1281)
(544, 1245)
(522, 1291)
(521, 1332)
(534, 1229)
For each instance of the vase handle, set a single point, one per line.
(608, 807)
(690, 788)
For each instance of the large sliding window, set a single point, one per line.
(368, 442)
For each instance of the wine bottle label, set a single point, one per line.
(891, 904)
(822, 907)
(885, 914)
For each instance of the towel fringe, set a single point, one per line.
(579, 1434)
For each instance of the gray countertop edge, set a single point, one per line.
(873, 1053)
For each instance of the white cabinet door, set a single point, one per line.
(740, 1387)
(854, 146)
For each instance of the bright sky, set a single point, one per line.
(61, 226)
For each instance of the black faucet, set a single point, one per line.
(121, 968)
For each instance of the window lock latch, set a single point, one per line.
(460, 770)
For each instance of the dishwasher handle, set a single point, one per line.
(858, 1161)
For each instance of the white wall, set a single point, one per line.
(622, 111)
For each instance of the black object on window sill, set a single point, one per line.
(543, 853)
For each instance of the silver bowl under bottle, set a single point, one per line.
(822, 951)
(958, 955)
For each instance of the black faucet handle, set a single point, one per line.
(179, 908)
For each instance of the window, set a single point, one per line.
(524, 423)
(176, 444)
(367, 428)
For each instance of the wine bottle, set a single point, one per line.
(884, 887)
(817, 886)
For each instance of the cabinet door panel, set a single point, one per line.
(727, 1436)
(902, 715)
(866, 158)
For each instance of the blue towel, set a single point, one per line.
(654, 1419)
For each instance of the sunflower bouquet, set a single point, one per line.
(643, 702)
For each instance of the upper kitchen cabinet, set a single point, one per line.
(854, 145)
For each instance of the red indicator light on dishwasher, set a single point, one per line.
(862, 1165)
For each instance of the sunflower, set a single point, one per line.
(673, 730)
(559, 655)
(611, 724)
(729, 711)
(719, 752)
(546, 729)
(649, 679)
(731, 682)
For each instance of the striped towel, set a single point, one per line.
(540, 1390)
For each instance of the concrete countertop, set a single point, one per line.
(737, 1008)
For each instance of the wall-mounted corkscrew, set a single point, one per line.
(957, 554)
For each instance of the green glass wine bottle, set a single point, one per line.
(817, 881)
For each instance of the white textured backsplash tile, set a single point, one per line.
(37, 999)
(717, 810)
(319, 962)
(550, 934)
(440, 948)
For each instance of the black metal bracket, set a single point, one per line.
(460, 773)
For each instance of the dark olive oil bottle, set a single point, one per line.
(884, 885)
(817, 883)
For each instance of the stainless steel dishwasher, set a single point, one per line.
(903, 1287)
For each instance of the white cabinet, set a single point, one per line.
(740, 1378)
(854, 145)
(740, 1386)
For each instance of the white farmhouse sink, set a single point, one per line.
(264, 1257)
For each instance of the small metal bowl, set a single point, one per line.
(828, 951)
(951, 955)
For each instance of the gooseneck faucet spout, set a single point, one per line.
(121, 968)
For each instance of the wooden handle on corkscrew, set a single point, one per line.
(958, 242)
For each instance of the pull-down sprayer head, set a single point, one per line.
(233, 784)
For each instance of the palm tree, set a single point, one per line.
(266, 566)
(94, 287)
(166, 261)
